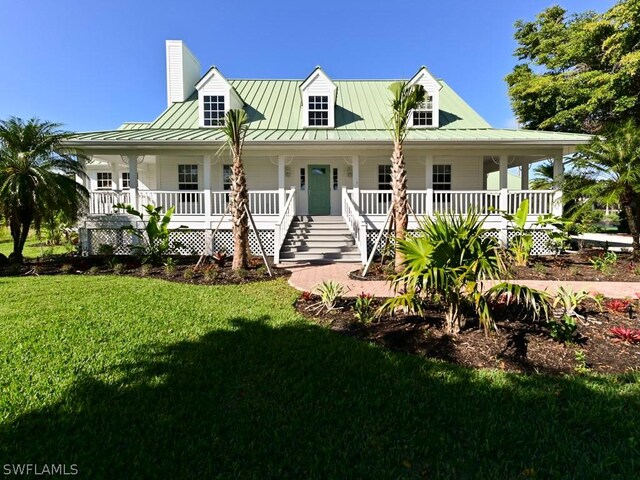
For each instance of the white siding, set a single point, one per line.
(168, 171)
(261, 173)
(318, 84)
(183, 71)
(432, 87)
(466, 172)
(415, 172)
(216, 84)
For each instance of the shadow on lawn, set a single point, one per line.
(302, 402)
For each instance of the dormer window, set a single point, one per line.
(213, 110)
(318, 111)
(423, 116)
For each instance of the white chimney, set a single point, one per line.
(183, 72)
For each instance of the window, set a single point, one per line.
(335, 179)
(226, 177)
(213, 110)
(318, 111)
(384, 177)
(104, 180)
(442, 177)
(423, 116)
(187, 177)
(303, 178)
(125, 183)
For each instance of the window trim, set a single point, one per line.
(123, 181)
(383, 185)
(226, 186)
(448, 171)
(99, 180)
(183, 183)
(219, 114)
(318, 100)
(426, 108)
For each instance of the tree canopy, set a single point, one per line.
(578, 72)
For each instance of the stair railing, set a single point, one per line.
(356, 224)
(282, 225)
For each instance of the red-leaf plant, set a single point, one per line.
(626, 334)
(618, 305)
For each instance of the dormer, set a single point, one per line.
(428, 115)
(216, 97)
(318, 94)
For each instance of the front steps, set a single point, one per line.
(319, 239)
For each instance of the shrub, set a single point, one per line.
(521, 244)
(306, 296)
(626, 334)
(145, 269)
(220, 258)
(604, 262)
(94, 270)
(210, 273)
(564, 329)
(106, 250)
(330, 292)
(242, 273)
(581, 361)
(119, 268)
(569, 302)
(170, 266)
(618, 305)
(364, 309)
(188, 273)
(67, 269)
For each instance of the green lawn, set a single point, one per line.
(32, 249)
(138, 378)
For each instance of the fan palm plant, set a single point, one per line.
(613, 162)
(37, 177)
(235, 129)
(406, 98)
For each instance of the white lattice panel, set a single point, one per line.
(541, 241)
(187, 242)
(119, 239)
(224, 241)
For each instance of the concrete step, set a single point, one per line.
(313, 256)
(323, 249)
(319, 219)
(298, 237)
(320, 231)
(314, 243)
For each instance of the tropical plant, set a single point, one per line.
(156, 236)
(330, 292)
(624, 334)
(620, 305)
(604, 262)
(235, 129)
(37, 177)
(613, 161)
(364, 308)
(406, 98)
(170, 266)
(564, 329)
(568, 302)
(521, 244)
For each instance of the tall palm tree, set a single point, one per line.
(405, 99)
(235, 129)
(37, 177)
(613, 162)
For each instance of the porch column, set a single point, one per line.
(206, 185)
(132, 160)
(524, 176)
(504, 198)
(558, 180)
(281, 184)
(355, 177)
(428, 181)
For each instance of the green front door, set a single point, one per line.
(319, 190)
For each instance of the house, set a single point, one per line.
(317, 159)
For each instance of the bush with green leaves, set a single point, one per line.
(568, 302)
(604, 262)
(564, 329)
(170, 266)
(452, 258)
(330, 292)
(155, 238)
(364, 309)
(521, 243)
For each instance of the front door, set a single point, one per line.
(319, 190)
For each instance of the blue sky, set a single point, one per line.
(93, 65)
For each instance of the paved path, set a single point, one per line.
(306, 277)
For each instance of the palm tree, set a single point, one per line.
(235, 129)
(406, 98)
(37, 177)
(613, 162)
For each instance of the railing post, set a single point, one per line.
(281, 183)
(207, 187)
(556, 208)
(133, 180)
(362, 234)
(277, 244)
(503, 206)
(429, 203)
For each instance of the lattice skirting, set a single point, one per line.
(188, 242)
(541, 240)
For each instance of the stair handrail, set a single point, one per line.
(356, 224)
(283, 223)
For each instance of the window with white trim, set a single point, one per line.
(318, 111)
(226, 177)
(303, 178)
(384, 177)
(187, 177)
(441, 177)
(104, 180)
(423, 116)
(213, 110)
(125, 182)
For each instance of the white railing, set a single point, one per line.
(355, 223)
(485, 202)
(263, 202)
(185, 202)
(219, 203)
(103, 202)
(540, 201)
(284, 222)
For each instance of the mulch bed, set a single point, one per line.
(518, 345)
(182, 272)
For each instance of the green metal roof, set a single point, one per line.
(274, 109)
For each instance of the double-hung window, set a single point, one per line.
(213, 110)
(423, 116)
(318, 111)
(104, 180)
(188, 180)
(125, 182)
(384, 183)
(442, 177)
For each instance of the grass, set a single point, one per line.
(32, 249)
(138, 378)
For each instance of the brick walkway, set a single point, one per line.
(306, 277)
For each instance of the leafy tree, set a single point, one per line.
(235, 129)
(578, 72)
(37, 177)
(405, 99)
(612, 161)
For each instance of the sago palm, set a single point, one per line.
(612, 161)
(235, 129)
(37, 177)
(405, 99)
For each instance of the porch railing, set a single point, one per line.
(103, 202)
(284, 222)
(485, 202)
(185, 202)
(355, 223)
